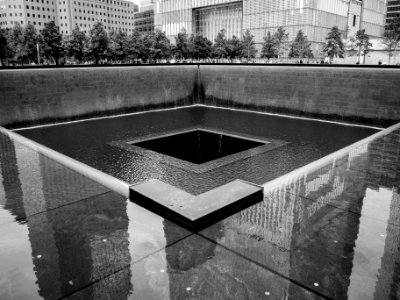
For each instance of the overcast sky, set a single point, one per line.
(135, 1)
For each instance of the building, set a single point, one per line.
(144, 20)
(393, 11)
(114, 14)
(36, 12)
(314, 17)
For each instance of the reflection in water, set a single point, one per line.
(335, 231)
(11, 182)
(321, 229)
(71, 246)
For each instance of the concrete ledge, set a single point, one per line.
(268, 145)
(319, 163)
(104, 179)
(195, 212)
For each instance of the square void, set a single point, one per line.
(198, 146)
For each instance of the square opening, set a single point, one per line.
(198, 146)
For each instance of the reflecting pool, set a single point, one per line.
(332, 233)
(98, 144)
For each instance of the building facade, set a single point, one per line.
(393, 11)
(144, 19)
(314, 17)
(115, 15)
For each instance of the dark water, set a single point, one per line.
(198, 146)
(89, 142)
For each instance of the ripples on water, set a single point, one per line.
(89, 141)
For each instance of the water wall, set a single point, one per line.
(362, 95)
(33, 96)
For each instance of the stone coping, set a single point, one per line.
(268, 145)
(195, 212)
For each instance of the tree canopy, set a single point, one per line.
(392, 37)
(98, 43)
(334, 45)
(248, 45)
(362, 43)
(220, 44)
(4, 49)
(300, 47)
(118, 45)
(269, 49)
(281, 38)
(76, 44)
(52, 46)
(182, 49)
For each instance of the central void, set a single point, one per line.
(198, 146)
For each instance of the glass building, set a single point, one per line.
(314, 17)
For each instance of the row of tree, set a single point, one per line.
(24, 45)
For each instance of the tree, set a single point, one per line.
(182, 45)
(362, 43)
(118, 45)
(76, 44)
(300, 47)
(98, 43)
(135, 47)
(281, 38)
(248, 45)
(52, 46)
(201, 47)
(220, 44)
(392, 37)
(4, 49)
(16, 43)
(269, 49)
(159, 45)
(31, 40)
(334, 45)
(234, 48)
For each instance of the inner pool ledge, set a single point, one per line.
(104, 179)
(199, 214)
(319, 163)
(195, 212)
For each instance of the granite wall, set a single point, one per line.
(362, 95)
(33, 96)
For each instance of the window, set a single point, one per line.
(354, 20)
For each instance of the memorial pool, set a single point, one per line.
(104, 145)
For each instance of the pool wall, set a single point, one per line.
(367, 95)
(362, 95)
(34, 96)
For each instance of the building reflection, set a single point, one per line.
(76, 244)
(313, 229)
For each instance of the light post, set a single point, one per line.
(38, 53)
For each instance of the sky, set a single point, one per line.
(135, 1)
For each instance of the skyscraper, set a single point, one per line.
(314, 17)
